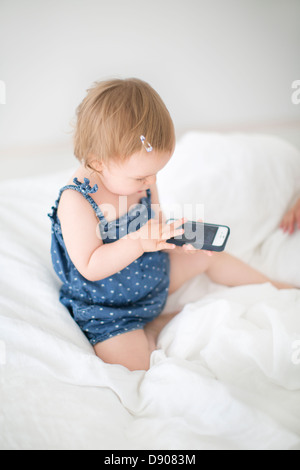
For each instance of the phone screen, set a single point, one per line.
(212, 237)
(198, 234)
(209, 234)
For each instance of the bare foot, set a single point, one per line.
(282, 285)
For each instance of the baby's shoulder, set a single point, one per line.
(72, 201)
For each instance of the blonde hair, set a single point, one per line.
(114, 115)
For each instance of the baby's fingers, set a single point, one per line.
(172, 230)
(189, 249)
(208, 253)
(165, 246)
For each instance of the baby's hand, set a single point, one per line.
(190, 250)
(291, 218)
(153, 235)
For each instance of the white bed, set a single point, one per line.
(227, 371)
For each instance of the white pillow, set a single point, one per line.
(244, 181)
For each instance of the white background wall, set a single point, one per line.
(218, 64)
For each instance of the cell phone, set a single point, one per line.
(203, 236)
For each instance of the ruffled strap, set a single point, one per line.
(85, 189)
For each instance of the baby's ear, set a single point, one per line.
(94, 163)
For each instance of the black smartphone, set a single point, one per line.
(203, 236)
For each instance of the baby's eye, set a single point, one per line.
(140, 179)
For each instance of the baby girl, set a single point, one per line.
(109, 235)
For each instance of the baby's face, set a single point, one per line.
(134, 175)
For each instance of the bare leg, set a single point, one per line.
(230, 271)
(153, 328)
(131, 350)
(221, 268)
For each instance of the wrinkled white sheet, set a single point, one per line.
(227, 371)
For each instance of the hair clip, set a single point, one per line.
(148, 147)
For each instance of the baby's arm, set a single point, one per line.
(93, 259)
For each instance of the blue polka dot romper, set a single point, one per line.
(120, 303)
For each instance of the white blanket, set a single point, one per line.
(227, 371)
